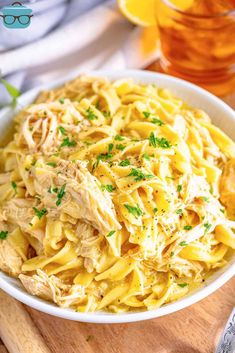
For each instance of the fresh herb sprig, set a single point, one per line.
(135, 211)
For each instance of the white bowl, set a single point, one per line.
(222, 116)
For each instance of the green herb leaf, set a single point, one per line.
(221, 210)
(139, 175)
(52, 164)
(183, 243)
(62, 130)
(188, 227)
(158, 142)
(3, 234)
(146, 114)
(110, 148)
(101, 157)
(207, 227)
(90, 114)
(118, 138)
(172, 254)
(13, 184)
(206, 199)
(124, 163)
(68, 143)
(13, 91)
(110, 233)
(155, 210)
(61, 100)
(146, 156)
(120, 147)
(179, 211)
(135, 211)
(157, 121)
(60, 195)
(40, 213)
(182, 285)
(107, 187)
(179, 188)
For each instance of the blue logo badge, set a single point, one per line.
(16, 16)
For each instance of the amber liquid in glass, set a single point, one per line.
(198, 44)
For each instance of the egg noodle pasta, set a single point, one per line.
(115, 196)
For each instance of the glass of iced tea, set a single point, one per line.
(198, 42)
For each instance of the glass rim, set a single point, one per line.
(215, 15)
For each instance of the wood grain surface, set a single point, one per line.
(192, 330)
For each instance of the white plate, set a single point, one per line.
(221, 115)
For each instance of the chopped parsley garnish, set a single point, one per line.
(33, 162)
(183, 243)
(207, 227)
(52, 164)
(206, 199)
(61, 100)
(179, 188)
(120, 147)
(62, 130)
(179, 211)
(101, 157)
(146, 156)
(158, 142)
(90, 114)
(40, 213)
(172, 254)
(3, 234)
(139, 175)
(157, 121)
(118, 138)
(67, 142)
(125, 163)
(110, 148)
(155, 210)
(110, 233)
(182, 285)
(13, 184)
(135, 211)
(107, 187)
(146, 114)
(221, 210)
(188, 227)
(211, 190)
(60, 195)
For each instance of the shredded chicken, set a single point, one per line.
(52, 288)
(10, 260)
(83, 198)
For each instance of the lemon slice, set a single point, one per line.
(139, 12)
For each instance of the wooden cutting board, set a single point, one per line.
(192, 330)
(196, 329)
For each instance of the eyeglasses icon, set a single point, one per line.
(16, 16)
(10, 19)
